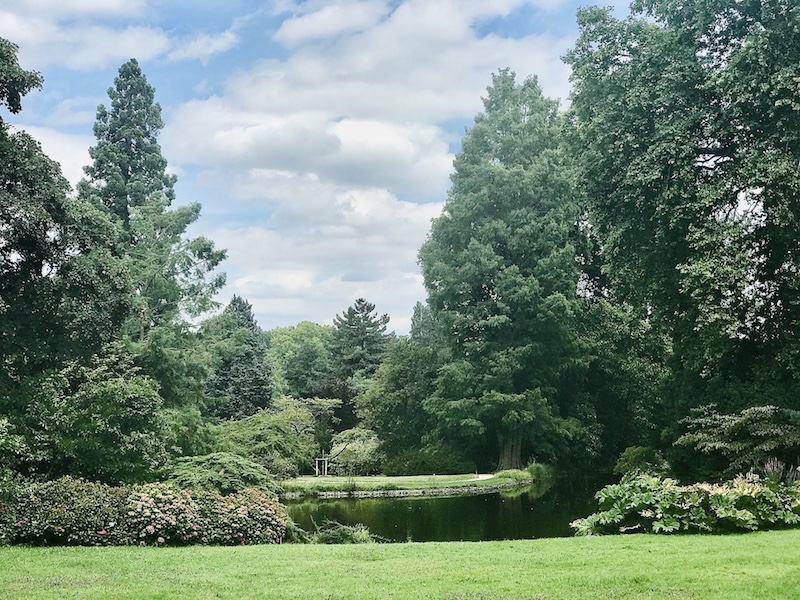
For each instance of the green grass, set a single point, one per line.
(311, 485)
(757, 565)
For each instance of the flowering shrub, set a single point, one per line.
(247, 517)
(73, 512)
(646, 503)
(157, 514)
(68, 511)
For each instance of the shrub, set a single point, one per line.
(431, 459)
(67, 512)
(643, 459)
(247, 517)
(73, 512)
(333, 532)
(222, 472)
(646, 503)
(157, 513)
(356, 452)
(9, 492)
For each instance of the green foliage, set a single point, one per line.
(302, 358)
(15, 82)
(283, 439)
(62, 292)
(648, 504)
(333, 532)
(394, 403)
(69, 511)
(242, 381)
(99, 421)
(680, 119)
(437, 458)
(359, 340)
(356, 452)
(221, 472)
(501, 275)
(749, 439)
(641, 459)
(128, 177)
(10, 484)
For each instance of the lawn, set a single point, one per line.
(311, 485)
(757, 565)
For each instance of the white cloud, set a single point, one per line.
(324, 247)
(71, 8)
(203, 47)
(44, 42)
(331, 20)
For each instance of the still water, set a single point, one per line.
(467, 518)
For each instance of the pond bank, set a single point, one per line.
(472, 490)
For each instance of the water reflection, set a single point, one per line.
(519, 515)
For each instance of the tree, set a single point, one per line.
(241, 383)
(128, 177)
(100, 421)
(302, 358)
(684, 123)
(359, 340)
(62, 293)
(501, 276)
(750, 439)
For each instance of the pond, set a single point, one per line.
(462, 518)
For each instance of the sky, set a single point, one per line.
(318, 135)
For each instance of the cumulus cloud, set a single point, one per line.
(80, 47)
(364, 245)
(71, 8)
(203, 47)
(331, 20)
(334, 147)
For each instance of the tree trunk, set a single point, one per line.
(510, 443)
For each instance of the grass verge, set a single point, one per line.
(310, 485)
(755, 565)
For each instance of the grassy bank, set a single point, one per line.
(310, 485)
(758, 565)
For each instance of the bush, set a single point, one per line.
(222, 472)
(356, 452)
(648, 504)
(247, 517)
(69, 512)
(333, 532)
(73, 512)
(157, 513)
(9, 492)
(642, 459)
(431, 459)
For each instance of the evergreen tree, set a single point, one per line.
(359, 340)
(241, 383)
(502, 276)
(128, 177)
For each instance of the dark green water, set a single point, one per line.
(467, 518)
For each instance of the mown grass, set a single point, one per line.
(757, 565)
(311, 485)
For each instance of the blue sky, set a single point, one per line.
(318, 135)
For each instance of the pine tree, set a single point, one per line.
(128, 177)
(359, 339)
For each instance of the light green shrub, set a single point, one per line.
(222, 472)
(648, 504)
